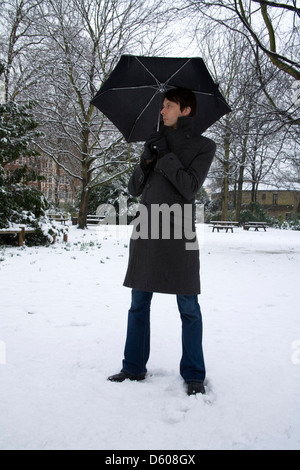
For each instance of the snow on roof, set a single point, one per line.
(288, 186)
(280, 186)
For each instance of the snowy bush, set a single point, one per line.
(254, 214)
(293, 223)
(25, 205)
(21, 203)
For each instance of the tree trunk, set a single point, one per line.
(242, 168)
(56, 186)
(87, 172)
(239, 193)
(83, 211)
(253, 195)
(240, 182)
(225, 197)
(226, 165)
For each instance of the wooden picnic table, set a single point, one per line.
(223, 225)
(256, 226)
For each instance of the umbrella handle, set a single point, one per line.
(159, 112)
(158, 122)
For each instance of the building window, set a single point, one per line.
(264, 196)
(275, 199)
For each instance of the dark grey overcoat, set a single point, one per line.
(160, 261)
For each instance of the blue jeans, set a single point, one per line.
(137, 347)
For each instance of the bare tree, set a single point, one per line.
(68, 49)
(59, 52)
(227, 58)
(272, 30)
(17, 37)
(251, 140)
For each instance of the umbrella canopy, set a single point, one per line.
(132, 96)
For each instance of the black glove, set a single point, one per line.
(149, 154)
(158, 145)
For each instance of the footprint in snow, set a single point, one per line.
(179, 404)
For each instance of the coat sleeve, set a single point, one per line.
(187, 181)
(139, 178)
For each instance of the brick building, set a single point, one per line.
(58, 187)
(275, 202)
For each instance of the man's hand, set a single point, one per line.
(148, 155)
(158, 145)
(155, 147)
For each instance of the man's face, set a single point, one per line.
(171, 112)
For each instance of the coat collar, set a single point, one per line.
(177, 139)
(185, 125)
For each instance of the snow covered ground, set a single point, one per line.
(63, 315)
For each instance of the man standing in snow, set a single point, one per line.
(173, 168)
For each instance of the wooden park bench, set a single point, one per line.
(20, 231)
(94, 219)
(223, 225)
(255, 225)
(58, 218)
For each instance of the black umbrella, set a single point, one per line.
(132, 96)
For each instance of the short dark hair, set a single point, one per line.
(184, 98)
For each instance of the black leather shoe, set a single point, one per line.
(123, 376)
(195, 387)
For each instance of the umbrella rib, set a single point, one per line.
(177, 71)
(146, 68)
(128, 88)
(203, 93)
(142, 112)
(210, 94)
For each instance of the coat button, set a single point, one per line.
(188, 136)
